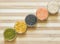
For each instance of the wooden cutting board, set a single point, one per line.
(46, 32)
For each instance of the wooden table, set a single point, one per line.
(46, 32)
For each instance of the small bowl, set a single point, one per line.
(31, 20)
(42, 13)
(53, 7)
(9, 34)
(20, 27)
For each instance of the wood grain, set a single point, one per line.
(26, 0)
(45, 32)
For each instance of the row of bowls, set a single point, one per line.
(30, 20)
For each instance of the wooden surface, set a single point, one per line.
(26, 0)
(46, 32)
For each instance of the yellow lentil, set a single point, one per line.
(20, 27)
